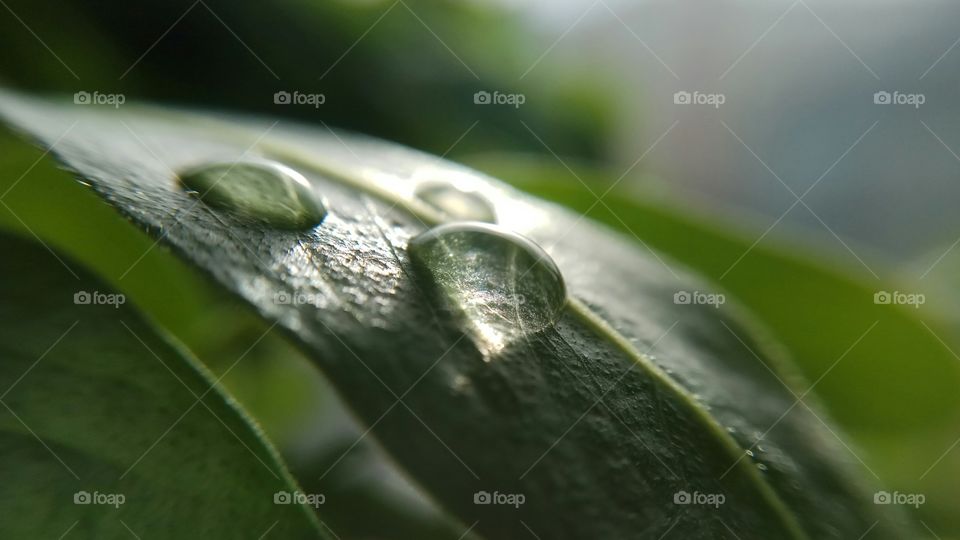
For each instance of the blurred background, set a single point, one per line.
(804, 155)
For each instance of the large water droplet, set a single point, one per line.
(456, 204)
(502, 285)
(260, 191)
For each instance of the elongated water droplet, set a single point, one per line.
(502, 285)
(260, 191)
(456, 204)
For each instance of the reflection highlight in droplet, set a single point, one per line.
(501, 285)
(454, 203)
(258, 191)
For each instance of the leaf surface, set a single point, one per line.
(899, 378)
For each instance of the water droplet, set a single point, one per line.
(255, 190)
(456, 204)
(460, 383)
(502, 285)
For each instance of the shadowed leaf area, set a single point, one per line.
(108, 430)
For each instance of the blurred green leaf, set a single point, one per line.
(108, 429)
(433, 55)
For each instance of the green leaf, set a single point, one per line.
(107, 429)
(596, 425)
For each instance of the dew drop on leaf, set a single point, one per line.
(260, 191)
(456, 204)
(501, 285)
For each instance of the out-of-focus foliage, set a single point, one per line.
(124, 386)
(405, 71)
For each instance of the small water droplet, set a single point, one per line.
(749, 453)
(502, 285)
(460, 383)
(456, 204)
(257, 190)
(762, 467)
